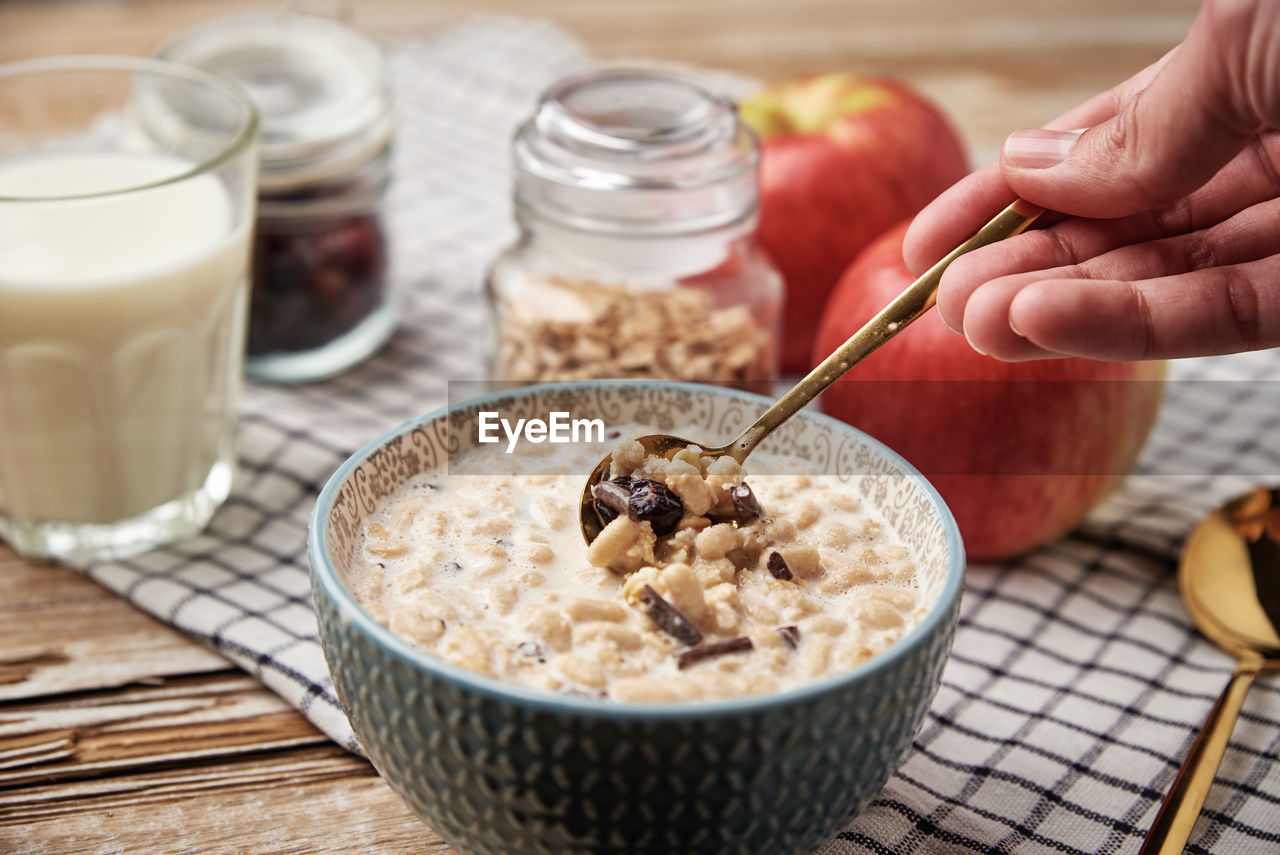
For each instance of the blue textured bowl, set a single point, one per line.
(499, 770)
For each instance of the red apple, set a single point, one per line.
(1019, 451)
(842, 159)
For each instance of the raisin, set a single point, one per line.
(655, 504)
(314, 279)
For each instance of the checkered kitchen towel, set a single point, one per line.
(1077, 680)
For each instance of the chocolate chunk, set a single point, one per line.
(668, 618)
(695, 655)
(612, 498)
(655, 504)
(745, 505)
(790, 636)
(778, 566)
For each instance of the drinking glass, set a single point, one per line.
(127, 190)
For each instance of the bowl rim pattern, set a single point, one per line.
(324, 578)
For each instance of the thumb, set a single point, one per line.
(1163, 142)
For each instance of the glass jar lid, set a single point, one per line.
(644, 150)
(320, 88)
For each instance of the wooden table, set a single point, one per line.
(117, 734)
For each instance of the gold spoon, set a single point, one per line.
(1229, 576)
(913, 302)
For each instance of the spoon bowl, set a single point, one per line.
(1229, 577)
(913, 302)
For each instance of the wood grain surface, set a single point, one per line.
(118, 735)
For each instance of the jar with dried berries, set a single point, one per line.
(321, 297)
(636, 198)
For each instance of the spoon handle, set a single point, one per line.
(917, 299)
(1181, 807)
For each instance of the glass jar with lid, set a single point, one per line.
(636, 198)
(321, 296)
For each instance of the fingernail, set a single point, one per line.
(1016, 331)
(1038, 148)
(976, 349)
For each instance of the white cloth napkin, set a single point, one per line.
(1077, 680)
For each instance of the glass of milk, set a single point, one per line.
(127, 190)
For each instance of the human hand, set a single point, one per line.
(1167, 238)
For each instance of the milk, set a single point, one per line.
(121, 326)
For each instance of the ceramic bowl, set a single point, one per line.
(497, 769)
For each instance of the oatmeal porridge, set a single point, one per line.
(705, 581)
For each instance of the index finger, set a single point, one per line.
(954, 216)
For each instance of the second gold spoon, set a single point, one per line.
(913, 302)
(1229, 576)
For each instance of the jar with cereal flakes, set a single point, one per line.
(636, 197)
